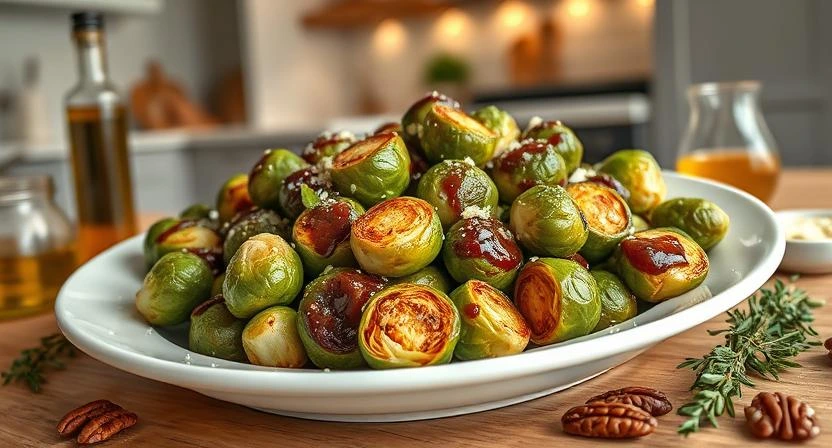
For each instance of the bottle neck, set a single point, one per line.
(92, 58)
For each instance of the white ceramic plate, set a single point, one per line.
(95, 310)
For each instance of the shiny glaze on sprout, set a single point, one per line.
(654, 255)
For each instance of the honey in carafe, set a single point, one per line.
(30, 283)
(754, 172)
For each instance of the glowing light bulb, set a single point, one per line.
(390, 37)
(578, 8)
(512, 14)
(646, 3)
(452, 23)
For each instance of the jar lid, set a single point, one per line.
(87, 20)
(15, 188)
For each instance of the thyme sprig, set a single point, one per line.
(761, 341)
(31, 366)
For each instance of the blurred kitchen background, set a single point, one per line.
(247, 75)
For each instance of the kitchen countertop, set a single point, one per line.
(170, 416)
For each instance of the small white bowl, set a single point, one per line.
(803, 256)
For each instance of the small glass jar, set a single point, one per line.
(727, 138)
(36, 246)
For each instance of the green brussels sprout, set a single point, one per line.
(216, 332)
(271, 339)
(413, 121)
(578, 258)
(328, 144)
(433, 276)
(501, 123)
(149, 246)
(607, 216)
(491, 326)
(533, 162)
(408, 325)
(176, 284)
(617, 302)
(701, 219)
(216, 285)
(640, 174)
(267, 176)
(265, 271)
(390, 128)
(233, 197)
(451, 134)
(639, 224)
(289, 196)
(547, 222)
(196, 212)
(609, 181)
(189, 236)
(453, 186)
(482, 249)
(397, 237)
(322, 235)
(329, 314)
(658, 264)
(564, 140)
(558, 298)
(372, 170)
(254, 223)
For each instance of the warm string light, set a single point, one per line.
(578, 8)
(453, 30)
(513, 14)
(389, 38)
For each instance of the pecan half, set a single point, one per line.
(827, 344)
(76, 418)
(106, 425)
(781, 416)
(608, 420)
(652, 401)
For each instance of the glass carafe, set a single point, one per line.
(727, 138)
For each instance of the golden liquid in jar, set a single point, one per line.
(29, 284)
(755, 173)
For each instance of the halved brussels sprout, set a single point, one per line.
(501, 123)
(267, 176)
(453, 186)
(558, 298)
(491, 326)
(176, 284)
(701, 219)
(609, 181)
(564, 140)
(607, 216)
(534, 162)
(196, 212)
(413, 121)
(265, 271)
(271, 339)
(482, 249)
(291, 203)
(328, 144)
(639, 224)
(617, 302)
(149, 244)
(547, 222)
(660, 263)
(372, 170)
(433, 276)
(389, 128)
(254, 223)
(639, 172)
(451, 134)
(397, 237)
(189, 236)
(408, 325)
(329, 314)
(216, 332)
(322, 235)
(233, 197)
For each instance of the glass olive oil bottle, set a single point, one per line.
(98, 139)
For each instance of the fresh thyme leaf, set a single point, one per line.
(31, 366)
(761, 340)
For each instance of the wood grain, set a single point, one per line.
(170, 416)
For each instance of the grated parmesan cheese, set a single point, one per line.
(472, 211)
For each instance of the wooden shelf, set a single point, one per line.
(345, 14)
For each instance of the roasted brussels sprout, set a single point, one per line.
(271, 339)
(639, 224)
(196, 212)
(328, 144)
(176, 284)
(701, 219)
(216, 332)
(397, 237)
(658, 264)
(372, 170)
(564, 140)
(265, 271)
(266, 178)
(233, 197)
(291, 203)
(329, 314)
(640, 174)
(533, 162)
(547, 222)
(151, 256)
(433, 276)
(501, 123)
(187, 235)
(453, 186)
(617, 302)
(451, 134)
(607, 216)
(578, 258)
(558, 298)
(216, 285)
(482, 249)
(413, 121)
(609, 181)
(408, 325)
(389, 128)
(322, 235)
(254, 223)
(491, 326)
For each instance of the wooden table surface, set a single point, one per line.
(171, 416)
